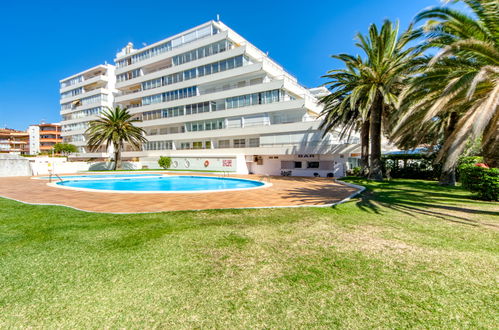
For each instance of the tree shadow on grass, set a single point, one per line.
(424, 198)
(413, 198)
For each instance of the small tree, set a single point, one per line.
(65, 148)
(165, 162)
(116, 127)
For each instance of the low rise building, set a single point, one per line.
(43, 137)
(13, 141)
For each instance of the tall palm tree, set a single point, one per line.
(115, 127)
(459, 89)
(389, 60)
(344, 108)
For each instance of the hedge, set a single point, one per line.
(481, 180)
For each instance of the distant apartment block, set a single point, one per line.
(43, 137)
(210, 100)
(13, 141)
(83, 97)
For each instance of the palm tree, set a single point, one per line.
(115, 127)
(343, 109)
(459, 89)
(389, 61)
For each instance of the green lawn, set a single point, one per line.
(406, 254)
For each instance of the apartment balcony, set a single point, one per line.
(209, 79)
(54, 140)
(51, 132)
(176, 51)
(239, 131)
(79, 120)
(233, 112)
(186, 66)
(101, 79)
(277, 84)
(84, 95)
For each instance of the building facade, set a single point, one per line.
(43, 137)
(14, 142)
(211, 100)
(83, 97)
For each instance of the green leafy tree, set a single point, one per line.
(165, 162)
(65, 148)
(115, 128)
(456, 97)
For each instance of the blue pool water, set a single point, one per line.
(106, 176)
(164, 183)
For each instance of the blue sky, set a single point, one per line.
(44, 41)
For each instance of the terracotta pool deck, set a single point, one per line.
(284, 192)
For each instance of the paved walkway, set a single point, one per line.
(285, 191)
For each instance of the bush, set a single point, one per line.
(356, 171)
(481, 180)
(165, 162)
(472, 160)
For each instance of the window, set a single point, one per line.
(298, 164)
(239, 143)
(224, 143)
(207, 144)
(254, 142)
(312, 164)
(158, 145)
(253, 99)
(185, 145)
(197, 145)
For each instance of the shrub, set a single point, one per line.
(481, 180)
(472, 160)
(165, 162)
(356, 171)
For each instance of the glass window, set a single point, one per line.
(312, 164)
(223, 65)
(239, 61)
(224, 143)
(239, 143)
(298, 164)
(254, 142)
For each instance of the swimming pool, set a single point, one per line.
(101, 176)
(161, 184)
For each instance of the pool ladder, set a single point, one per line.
(224, 174)
(50, 177)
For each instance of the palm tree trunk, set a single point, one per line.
(448, 174)
(117, 157)
(490, 147)
(364, 148)
(375, 170)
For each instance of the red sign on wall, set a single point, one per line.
(227, 162)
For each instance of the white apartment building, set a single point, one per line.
(83, 97)
(211, 100)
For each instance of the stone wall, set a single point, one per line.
(14, 165)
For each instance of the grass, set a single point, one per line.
(405, 254)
